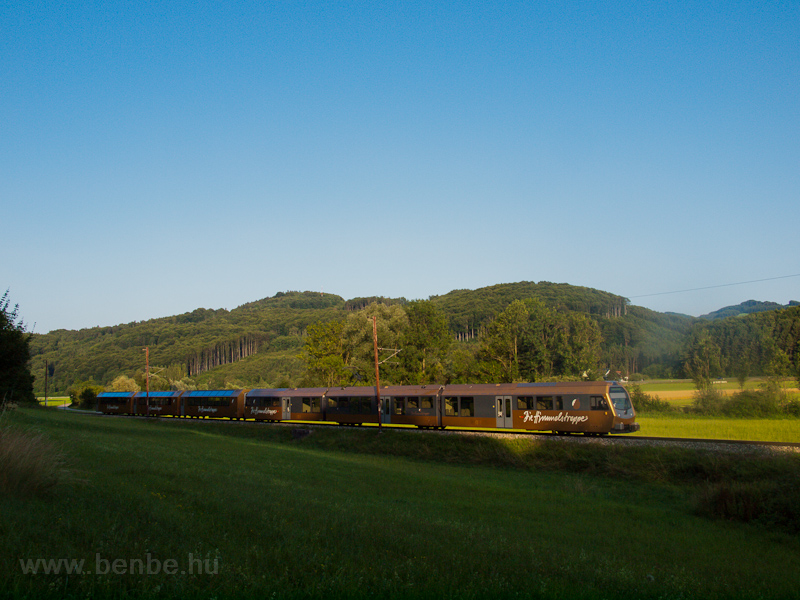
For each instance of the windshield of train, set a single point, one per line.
(619, 397)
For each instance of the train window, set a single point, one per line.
(399, 406)
(598, 403)
(451, 407)
(544, 403)
(525, 403)
(467, 407)
(344, 405)
(153, 401)
(113, 400)
(620, 399)
(559, 403)
(306, 405)
(333, 403)
(425, 403)
(412, 404)
(316, 405)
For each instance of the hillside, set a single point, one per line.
(745, 308)
(258, 343)
(187, 345)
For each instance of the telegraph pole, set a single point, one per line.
(377, 373)
(45, 382)
(147, 377)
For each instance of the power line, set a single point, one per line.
(711, 287)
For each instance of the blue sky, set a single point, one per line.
(156, 157)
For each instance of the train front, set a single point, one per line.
(624, 415)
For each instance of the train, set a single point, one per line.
(587, 407)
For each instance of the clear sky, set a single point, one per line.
(157, 157)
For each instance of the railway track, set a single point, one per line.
(699, 443)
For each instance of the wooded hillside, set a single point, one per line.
(265, 343)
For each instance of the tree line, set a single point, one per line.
(526, 341)
(523, 331)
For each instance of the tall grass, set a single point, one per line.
(352, 513)
(30, 463)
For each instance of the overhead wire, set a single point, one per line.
(711, 287)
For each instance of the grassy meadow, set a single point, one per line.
(249, 510)
(721, 428)
(683, 421)
(55, 402)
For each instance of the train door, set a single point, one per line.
(386, 410)
(502, 405)
(286, 405)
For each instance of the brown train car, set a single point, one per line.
(351, 405)
(412, 405)
(115, 403)
(471, 405)
(213, 403)
(282, 404)
(307, 404)
(162, 404)
(570, 407)
(267, 405)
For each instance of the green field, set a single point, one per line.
(686, 385)
(688, 426)
(354, 513)
(57, 401)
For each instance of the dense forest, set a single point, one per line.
(521, 331)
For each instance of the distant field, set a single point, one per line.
(350, 513)
(57, 401)
(761, 430)
(684, 385)
(681, 393)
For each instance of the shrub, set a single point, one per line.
(756, 403)
(84, 394)
(30, 464)
(708, 402)
(772, 503)
(793, 408)
(643, 402)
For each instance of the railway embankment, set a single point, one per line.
(351, 512)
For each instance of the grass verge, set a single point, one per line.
(353, 513)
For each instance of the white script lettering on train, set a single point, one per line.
(263, 411)
(559, 418)
(210, 409)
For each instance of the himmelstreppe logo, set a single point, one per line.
(148, 565)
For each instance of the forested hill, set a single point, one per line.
(634, 338)
(469, 310)
(746, 308)
(257, 344)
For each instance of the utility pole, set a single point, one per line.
(45, 382)
(377, 373)
(147, 378)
